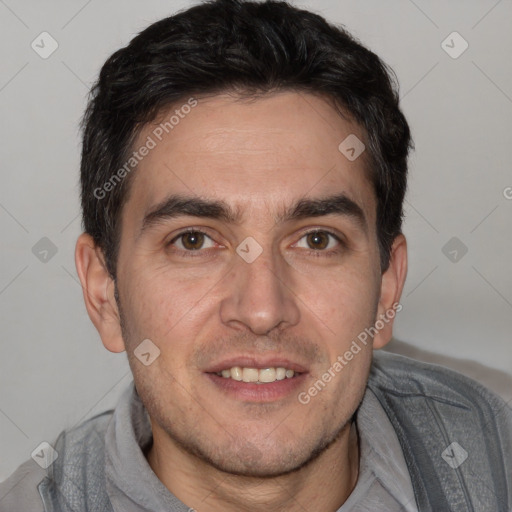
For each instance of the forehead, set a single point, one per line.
(258, 155)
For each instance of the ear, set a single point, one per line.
(392, 284)
(98, 289)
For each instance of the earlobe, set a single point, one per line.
(392, 284)
(98, 290)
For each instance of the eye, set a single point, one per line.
(319, 240)
(192, 240)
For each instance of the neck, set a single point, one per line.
(323, 484)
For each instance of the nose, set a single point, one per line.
(259, 295)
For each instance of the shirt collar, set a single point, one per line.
(131, 483)
(381, 456)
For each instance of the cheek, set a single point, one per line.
(345, 301)
(162, 305)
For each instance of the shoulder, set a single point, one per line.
(19, 490)
(421, 396)
(451, 428)
(400, 374)
(76, 449)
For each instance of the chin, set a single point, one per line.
(244, 458)
(265, 467)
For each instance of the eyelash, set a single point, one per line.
(315, 253)
(189, 254)
(326, 253)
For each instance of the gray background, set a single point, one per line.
(54, 371)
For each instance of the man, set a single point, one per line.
(243, 172)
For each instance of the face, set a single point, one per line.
(248, 243)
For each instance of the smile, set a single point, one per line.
(259, 376)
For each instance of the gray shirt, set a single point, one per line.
(383, 484)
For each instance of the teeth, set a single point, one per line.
(256, 375)
(235, 373)
(250, 375)
(280, 373)
(267, 375)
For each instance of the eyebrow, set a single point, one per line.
(194, 206)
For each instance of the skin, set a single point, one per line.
(212, 451)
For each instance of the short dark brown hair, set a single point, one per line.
(254, 47)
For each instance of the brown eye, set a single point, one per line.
(189, 241)
(317, 240)
(192, 240)
(321, 242)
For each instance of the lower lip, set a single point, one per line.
(252, 392)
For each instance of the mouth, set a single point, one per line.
(259, 376)
(251, 380)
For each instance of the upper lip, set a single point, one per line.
(256, 362)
